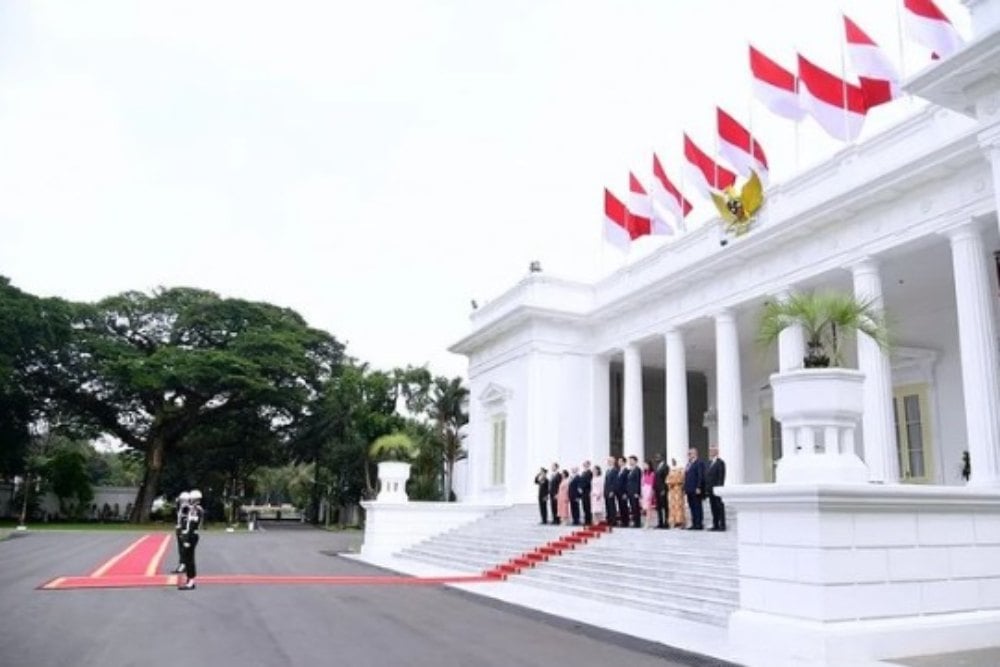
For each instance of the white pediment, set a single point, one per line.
(494, 393)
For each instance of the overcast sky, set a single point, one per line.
(374, 165)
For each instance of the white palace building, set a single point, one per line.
(662, 355)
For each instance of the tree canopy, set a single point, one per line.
(181, 366)
(212, 392)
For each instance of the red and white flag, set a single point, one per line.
(668, 197)
(615, 222)
(775, 86)
(620, 227)
(837, 105)
(640, 208)
(928, 25)
(878, 76)
(706, 174)
(738, 146)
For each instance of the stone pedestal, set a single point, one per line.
(841, 574)
(820, 409)
(392, 478)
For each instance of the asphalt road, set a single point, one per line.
(273, 626)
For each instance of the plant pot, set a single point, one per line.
(820, 409)
(392, 477)
(816, 356)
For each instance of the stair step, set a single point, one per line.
(682, 574)
(645, 590)
(639, 574)
(712, 615)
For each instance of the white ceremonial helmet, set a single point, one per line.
(183, 497)
(194, 496)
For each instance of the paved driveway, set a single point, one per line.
(275, 625)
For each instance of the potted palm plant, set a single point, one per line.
(821, 404)
(393, 452)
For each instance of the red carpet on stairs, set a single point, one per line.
(546, 551)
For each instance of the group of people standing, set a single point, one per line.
(628, 495)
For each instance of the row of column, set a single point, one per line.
(729, 396)
(979, 360)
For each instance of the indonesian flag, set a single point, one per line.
(707, 174)
(640, 208)
(879, 78)
(668, 197)
(619, 226)
(615, 222)
(928, 26)
(837, 105)
(738, 146)
(775, 86)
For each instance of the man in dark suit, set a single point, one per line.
(542, 480)
(715, 476)
(586, 477)
(611, 492)
(622, 491)
(574, 496)
(555, 479)
(694, 484)
(634, 491)
(660, 472)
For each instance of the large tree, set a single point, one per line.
(357, 406)
(32, 332)
(175, 366)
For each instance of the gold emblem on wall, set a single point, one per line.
(738, 209)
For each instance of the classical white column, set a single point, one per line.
(791, 342)
(677, 397)
(711, 401)
(977, 339)
(730, 395)
(791, 352)
(633, 439)
(878, 426)
(600, 442)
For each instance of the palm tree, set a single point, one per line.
(827, 318)
(396, 446)
(448, 411)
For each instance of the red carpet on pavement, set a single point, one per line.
(142, 557)
(137, 566)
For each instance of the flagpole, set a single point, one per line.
(902, 42)
(843, 86)
(798, 100)
(683, 225)
(902, 51)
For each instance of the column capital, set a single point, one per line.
(724, 315)
(964, 230)
(865, 265)
(631, 347)
(782, 293)
(672, 332)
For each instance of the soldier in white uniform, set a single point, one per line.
(182, 510)
(189, 539)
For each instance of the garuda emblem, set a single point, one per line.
(738, 210)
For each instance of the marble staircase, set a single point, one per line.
(678, 573)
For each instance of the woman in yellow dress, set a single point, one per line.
(675, 491)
